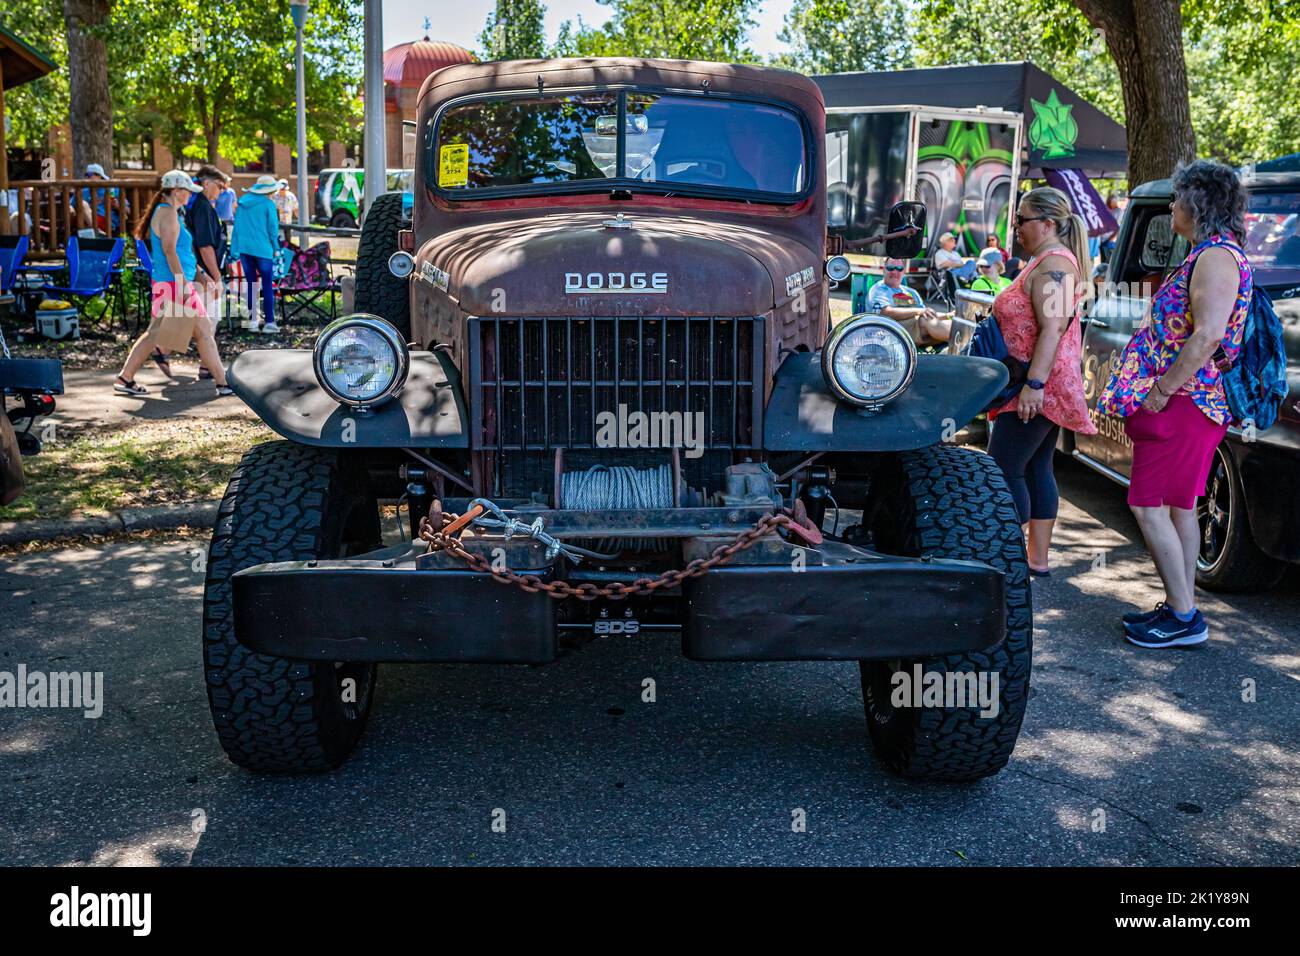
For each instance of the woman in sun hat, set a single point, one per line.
(254, 240)
(177, 305)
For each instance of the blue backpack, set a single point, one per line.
(1256, 385)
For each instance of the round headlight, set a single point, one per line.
(401, 264)
(361, 361)
(869, 360)
(838, 268)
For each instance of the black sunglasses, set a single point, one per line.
(1021, 220)
(894, 268)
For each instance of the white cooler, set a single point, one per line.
(58, 323)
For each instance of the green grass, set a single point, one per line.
(162, 462)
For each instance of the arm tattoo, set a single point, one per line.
(1057, 275)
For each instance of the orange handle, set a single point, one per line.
(463, 520)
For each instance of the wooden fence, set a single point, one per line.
(49, 211)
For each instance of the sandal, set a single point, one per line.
(224, 390)
(161, 360)
(123, 387)
(204, 373)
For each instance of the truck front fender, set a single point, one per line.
(280, 386)
(947, 391)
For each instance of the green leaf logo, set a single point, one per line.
(1053, 129)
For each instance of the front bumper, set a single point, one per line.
(776, 602)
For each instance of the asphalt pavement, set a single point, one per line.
(1127, 757)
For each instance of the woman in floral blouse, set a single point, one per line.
(1167, 388)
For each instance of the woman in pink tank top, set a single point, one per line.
(1039, 318)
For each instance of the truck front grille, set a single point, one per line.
(540, 383)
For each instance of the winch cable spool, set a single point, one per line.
(619, 488)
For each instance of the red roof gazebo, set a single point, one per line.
(408, 64)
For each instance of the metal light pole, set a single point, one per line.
(374, 144)
(298, 9)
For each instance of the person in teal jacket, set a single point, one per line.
(254, 239)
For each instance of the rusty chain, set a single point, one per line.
(617, 591)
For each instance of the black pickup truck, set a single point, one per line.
(1250, 515)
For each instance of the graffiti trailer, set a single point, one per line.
(957, 138)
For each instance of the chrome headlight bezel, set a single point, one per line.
(836, 338)
(390, 336)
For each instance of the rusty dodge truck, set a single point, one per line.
(594, 371)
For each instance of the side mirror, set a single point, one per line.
(903, 215)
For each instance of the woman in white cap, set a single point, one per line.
(177, 305)
(255, 239)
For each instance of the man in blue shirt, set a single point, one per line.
(893, 298)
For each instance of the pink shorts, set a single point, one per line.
(1172, 451)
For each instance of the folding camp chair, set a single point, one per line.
(309, 285)
(13, 249)
(92, 272)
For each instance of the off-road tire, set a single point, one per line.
(948, 502)
(378, 291)
(1240, 567)
(285, 502)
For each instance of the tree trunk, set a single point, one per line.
(1145, 38)
(91, 107)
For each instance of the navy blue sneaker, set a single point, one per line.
(1144, 617)
(1167, 631)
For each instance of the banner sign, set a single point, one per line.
(1085, 200)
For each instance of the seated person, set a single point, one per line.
(990, 281)
(893, 298)
(993, 243)
(950, 264)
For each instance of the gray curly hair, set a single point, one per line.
(1213, 194)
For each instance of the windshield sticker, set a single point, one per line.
(453, 165)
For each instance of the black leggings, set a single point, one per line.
(1024, 450)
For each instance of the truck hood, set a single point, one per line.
(577, 264)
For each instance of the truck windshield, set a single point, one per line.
(667, 143)
(1273, 236)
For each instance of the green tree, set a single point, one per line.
(674, 29)
(838, 36)
(222, 71)
(1051, 34)
(515, 30)
(35, 107)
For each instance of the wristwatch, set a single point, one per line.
(1036, 385)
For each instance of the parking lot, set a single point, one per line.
(1126, 757)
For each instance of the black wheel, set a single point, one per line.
(343, 220)
(949, 502)
(378, 291)
(285, 502)
(1229, 559)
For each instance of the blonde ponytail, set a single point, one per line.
(1074, 233)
